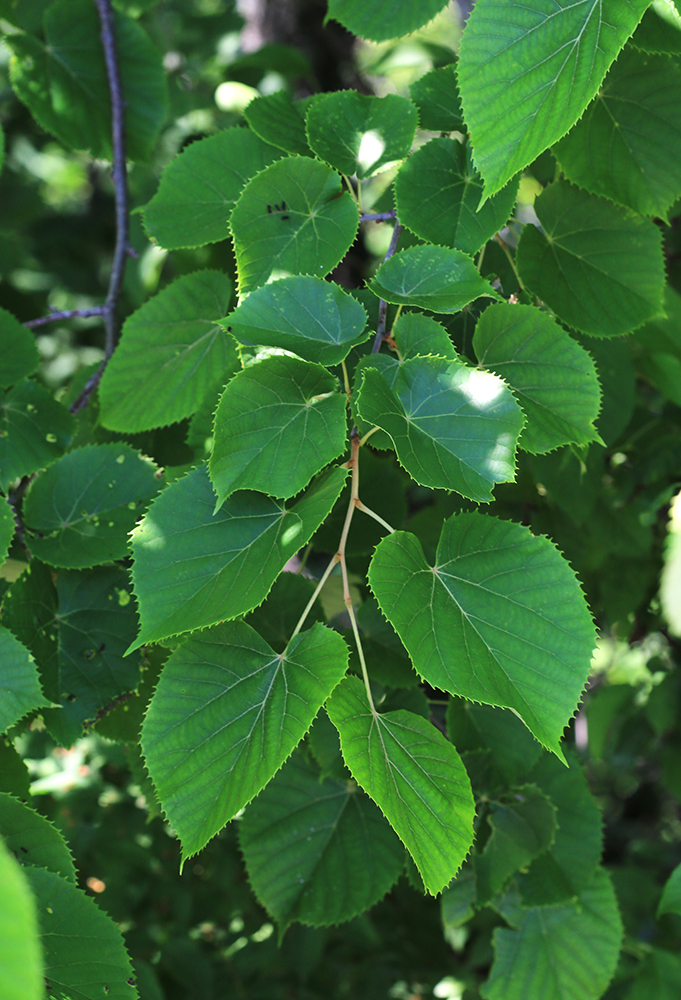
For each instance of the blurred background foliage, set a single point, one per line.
(200, 935)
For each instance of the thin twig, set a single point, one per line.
(382, 304)
(377, 216)
(59, 314)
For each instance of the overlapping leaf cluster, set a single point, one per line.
(281, 396)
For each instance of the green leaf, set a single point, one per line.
(499, 619)
(200, 187)
(512, 748)
(418, 335)
(227, 713)
(627, 145)
(94, 624)
(293, 218)
(276, 120)
(361, 135)
(653, 33)
(457, 903)
(20, 690)
(277, 617)
(434, 278)
(14, 776)
(26, 14)
(21, 968)
(18, 352)
(438, 191)
(83, 949)
(523, 824)
(375, 20)
(194, 568)
(415, 777)
(436, 95)
(33, 839)
(658, 977)
(172, 353)
(81, 510)
(453, 427)
(34, 431)
(318, 852)
(29, 609)
(553, 377)
(597, 266)
(310, 317)
(671, 896)
(278, 423)
(534, 67)
(64, 83)
(569, 949)
(7, 527)
(563, 871)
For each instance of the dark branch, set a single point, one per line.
(382, 304)
(377, 216)
(54, 317)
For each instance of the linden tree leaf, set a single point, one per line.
(434, 278)
(671, 896)
(598, 266)
(553, 377)
(500, 618)
(33, 838)
(377, 20)
(172, 352)
(276, 120)
(18, 352)
(535, 67)
(35, 430)
(414, 775)
(226, 714)
(436, 95)
(292, 218)
(21, 966)
(20, 690)
(278, 423)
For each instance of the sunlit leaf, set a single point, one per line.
(375, 20)
(415, 777)
(227, 713)
(21, 967)
(434, 278)
(500, 618)
(33, 839)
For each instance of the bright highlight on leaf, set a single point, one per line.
(500, 618)
(227, 713)
(535, 67)
(194, 567)
(362, 135)
(307, 316)
(21, 967)
(597, 266)
(278, 423)
(435, 278)
(293, 218)
(172, 353)
(319, 852)
(415, 777)
(453, 427)
(553, 377)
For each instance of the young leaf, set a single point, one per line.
(34, 430)
(627, 145)
(434, 278)
(319, 852)
(373, 19)
(415, 777)
(597, 266)
(436, 95)
(307, 316)
(553, 377)
(200, 187)
(83, 949)
(499, 619)
(33, 839)
(81, 510)
(437, 194)
(569, 949)
(194, 568)
(18, 353)
(65, 86)
(536, 75)
(21, 968)
(523, 824)
(171, 354)
(227, 713)
(453, 427)
(361, 135)
(293, 218)
(278, 122)
(278, 423)
(19, 685)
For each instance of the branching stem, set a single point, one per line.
(367, 510)
(382, 304)
(60, 314)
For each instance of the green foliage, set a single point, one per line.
(263, 658)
